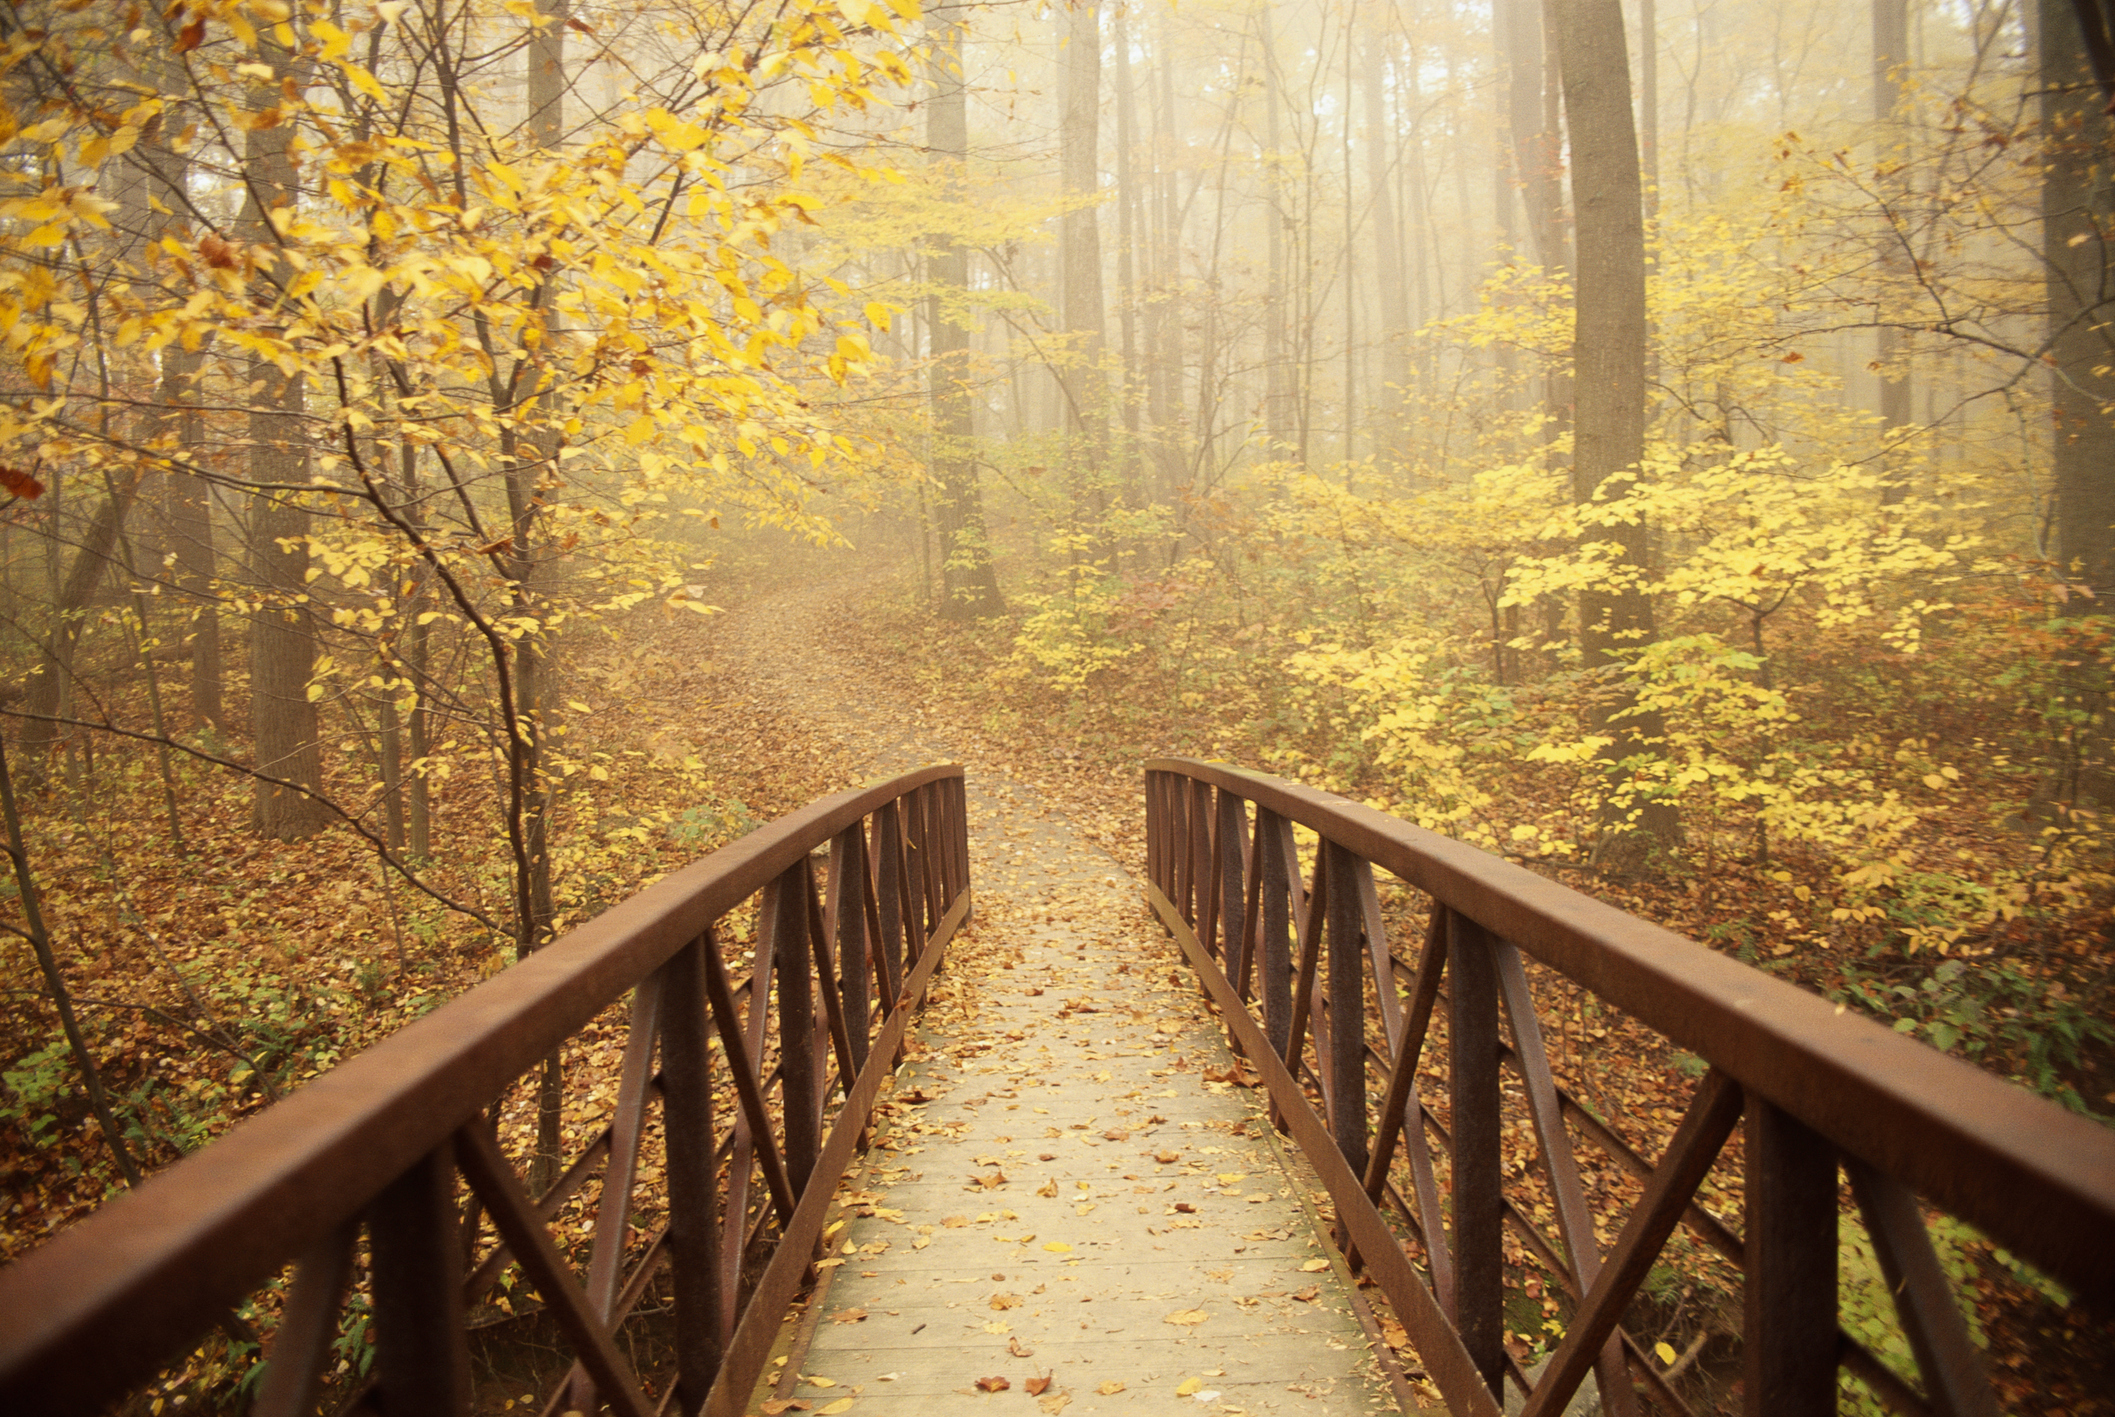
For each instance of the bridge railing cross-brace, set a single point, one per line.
(1291, 944)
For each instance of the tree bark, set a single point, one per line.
(1389, 439)
(1080, 302)
(1890, 169)
(1608, 354)
(2078, 221)
(1278, 411)
(969, 585)
(47, 692)
(189, 508)
(284, 723)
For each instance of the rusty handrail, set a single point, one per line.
(1816, 1086)
(378, 1141)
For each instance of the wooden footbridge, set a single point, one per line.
(1358, 1193)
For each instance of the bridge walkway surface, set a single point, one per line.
(1068, 1196)
(1063, 1184)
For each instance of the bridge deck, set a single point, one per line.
(1061, 1187)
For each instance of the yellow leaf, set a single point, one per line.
(1058, 1247)
(1110, 1388)
(1933, 781)
(843, 1404)
(1664, 1351)
(366, 83)
(1186, 1318)
(1188, 1386)
(1315, 1266)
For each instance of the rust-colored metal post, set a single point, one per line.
(848, 923)
(788, 911)
(1347, 1009)
(958, 840)
(888, 881)
(423, 1362)
(1788, 1334)
(1179, 857)
(1154, 827)
(1479, 1204)
(693, 1234)
(1233, 829)
(925, 909)
(1275, 947)
(1200, 844)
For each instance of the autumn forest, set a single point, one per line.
(1670, 444)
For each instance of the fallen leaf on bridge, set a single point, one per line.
(993, 1384)
(1186, 1318)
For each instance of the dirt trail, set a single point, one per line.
(1065, 1185)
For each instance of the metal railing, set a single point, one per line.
(355, 1179)
(1293, 964)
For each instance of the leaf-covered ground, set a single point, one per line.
(212, 979)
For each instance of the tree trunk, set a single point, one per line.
(1608, 353)
(1891, 167)
(1080, 304)
(969, 587)
(2078, 215)
(1277, 365)
(1388, 276)
(190, 512)
(1127, 241)
(284, 723)
(47, 692)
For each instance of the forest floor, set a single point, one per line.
(823, 672)
(848, 653)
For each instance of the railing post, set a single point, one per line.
(1472, 1039)
(1154, 827)
(421, 1355)
(848, 924)
(1200, 853)
(1788, 1333)
(958, 837)
(692, 1230)
(1178, 844)
(888, 881)
(1233, 827)
(1347, 1008)
(788, 911)
(1275, 983)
